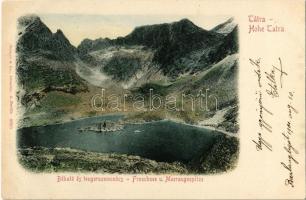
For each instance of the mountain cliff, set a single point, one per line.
(171, 58)
(192, 73)
(34, 35)
(44, 61)
(177, 48)
(171, 42)
(226, 27)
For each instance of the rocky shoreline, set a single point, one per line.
(40, 159)
(221, 157)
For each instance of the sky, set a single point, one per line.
(78, 27)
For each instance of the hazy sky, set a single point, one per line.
(78, 27)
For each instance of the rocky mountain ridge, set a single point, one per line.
(170, 57)
(44, 61)
(177, 47)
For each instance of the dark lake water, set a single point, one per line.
(161, 140)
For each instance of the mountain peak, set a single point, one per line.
(28, 19)
(59, 32)
(230, 20)
(59, 35)
(156, 34)
(35, 35)
(187, 24)
(185, 20)
(32, 24)
(226, 27)
(90, 45)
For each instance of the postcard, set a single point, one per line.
(153, 99)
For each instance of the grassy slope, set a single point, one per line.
(221, 79)
(57, 106)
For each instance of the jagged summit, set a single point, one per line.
(176, 48)
(188, 24)
(59, 35)
(226, 27)
(34, 35)
(152, 35)
(185, 20)
(230, 20)
(44, 61)
(33, 24)
(173, 45)
(182, 22)
(59, 32)
(157, 35)
(28, 19)
(171, 58)
(171, 41)
(90, 45)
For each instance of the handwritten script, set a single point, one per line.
(289, 149)
(271, 80)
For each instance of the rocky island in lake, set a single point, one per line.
(161, 99)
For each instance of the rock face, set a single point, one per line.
(169, 57)
(171, 42)
(228, 46)
(34, 35)
(222, 157)
(226, 27)
(178, 47)
(88, 45)
(55, 160)
(45, 61)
